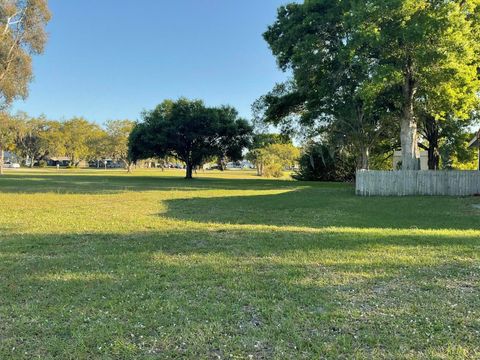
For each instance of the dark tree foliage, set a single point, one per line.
(322, 163)
(234, 135)
(191, 132)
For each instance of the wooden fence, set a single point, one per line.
(408, 182)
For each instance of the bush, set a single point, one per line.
(42, 164)
(274, 170)
(322, 163)
(274, 158)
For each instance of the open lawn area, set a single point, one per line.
(102, 264)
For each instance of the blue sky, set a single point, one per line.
(110, 59)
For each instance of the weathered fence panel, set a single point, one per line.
(409, 182)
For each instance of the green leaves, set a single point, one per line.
(190, 131)
(22, 33)
(347, 56)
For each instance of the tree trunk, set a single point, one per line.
(432, 136)
(260, 169)
(189, 171)
(221, 164)
(433, 158)
(408, 124)
(1, 161)
(363, 159)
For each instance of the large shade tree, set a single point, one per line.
(327, 91)
(22, 34)
(429, 51)
(190, 131)
(366, 64)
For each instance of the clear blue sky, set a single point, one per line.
(110, 59)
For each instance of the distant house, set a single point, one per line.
(8, 156)
(475, 143)
(64, 161)
(60, 160)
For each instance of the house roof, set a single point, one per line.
(60, 158)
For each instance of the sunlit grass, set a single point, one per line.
(102, 264)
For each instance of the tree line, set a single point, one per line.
(37, 139)
(184, 131)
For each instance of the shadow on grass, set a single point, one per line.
(89, 183)
(208, 293)
(328, 205)
(235, 243)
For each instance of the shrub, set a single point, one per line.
(274, 170)
(322, 163)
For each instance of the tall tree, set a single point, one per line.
(189, 131)
(327, 92)
(98, 144)
(429, 49)
(118, 132)
(78, 134)
(22, 34)
(53, 139)
(345, 55)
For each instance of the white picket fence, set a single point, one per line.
(408, 182)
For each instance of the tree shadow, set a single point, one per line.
(324, 205)
(89, 183)
(244, 292)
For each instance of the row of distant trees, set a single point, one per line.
(195, 134)
(184, 131)
(39, 139)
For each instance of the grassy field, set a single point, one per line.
(97, 264)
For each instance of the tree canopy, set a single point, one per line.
(190, 131)
(374, 67)
(22, 34)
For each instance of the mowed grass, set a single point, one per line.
(101, 264)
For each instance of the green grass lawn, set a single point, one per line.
(97, 264)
